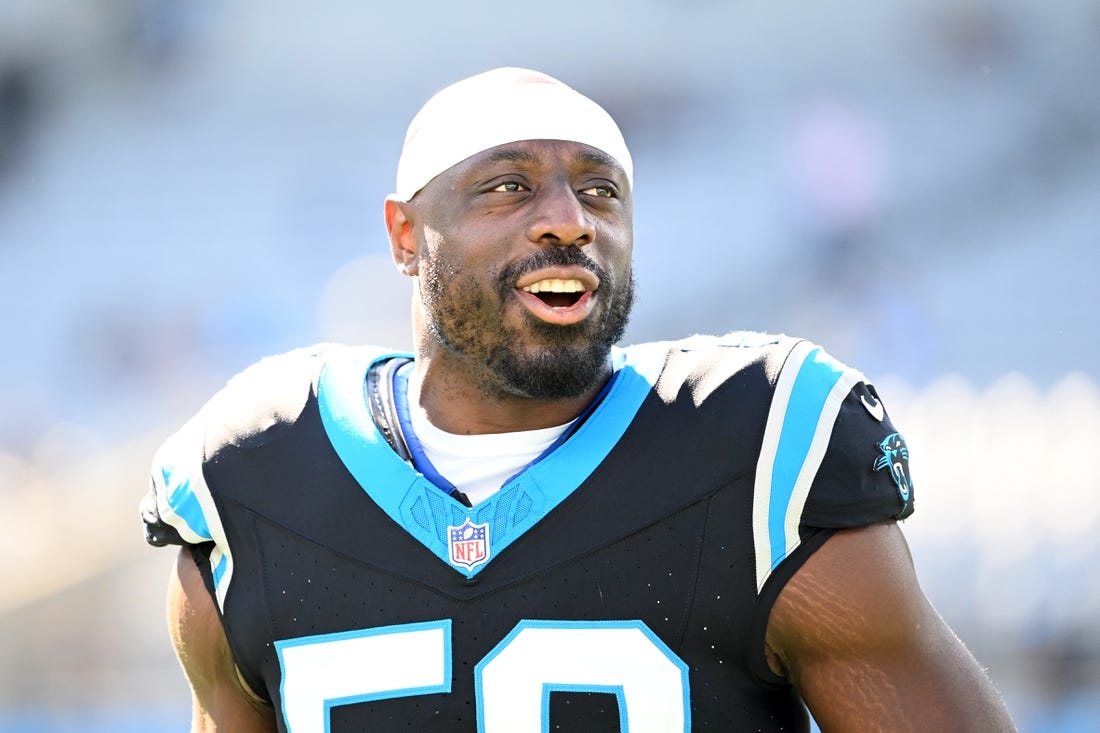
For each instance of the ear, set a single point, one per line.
(403, 246)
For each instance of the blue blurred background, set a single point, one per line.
(188, 185)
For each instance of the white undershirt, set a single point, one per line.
(477, 464)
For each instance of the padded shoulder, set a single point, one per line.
(253, 408)
(255, 403)
(703, 364)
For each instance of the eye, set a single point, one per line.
(600, 191)
(510, 187)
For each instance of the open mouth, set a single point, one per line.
(557, 293)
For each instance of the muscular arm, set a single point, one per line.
(855, 634)
(220, 700)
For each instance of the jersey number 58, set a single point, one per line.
(512, 683)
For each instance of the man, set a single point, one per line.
(521, 527)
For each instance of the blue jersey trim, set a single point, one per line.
(329, 703)
(420, 508)
(219, 570)
(657, 641)
(816, 379)
(183, 501)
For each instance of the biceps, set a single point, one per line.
(220, 701)
(866, 649)
(923, 681)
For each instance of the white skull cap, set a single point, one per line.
(501, 106)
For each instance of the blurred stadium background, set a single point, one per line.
(186, 185)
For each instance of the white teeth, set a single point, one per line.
(556, 286)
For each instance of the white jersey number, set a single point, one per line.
(513, 682)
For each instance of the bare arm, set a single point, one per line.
(220, 699)
(855, 634)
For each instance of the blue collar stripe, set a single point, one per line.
(412, 440)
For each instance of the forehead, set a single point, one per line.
(542, 155)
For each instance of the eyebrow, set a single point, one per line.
(526, 157)
(512, 155)
(596, 157)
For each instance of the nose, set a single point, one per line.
(560, 219)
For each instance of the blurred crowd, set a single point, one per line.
(186, 186)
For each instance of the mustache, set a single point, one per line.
(550, 257)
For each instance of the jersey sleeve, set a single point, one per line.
(864, 476)
(181, 507)
(830, 458)
(176, 509)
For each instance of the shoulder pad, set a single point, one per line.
(270, 393)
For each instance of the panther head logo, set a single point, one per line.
(895, 459)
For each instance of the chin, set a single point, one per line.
(551, 372)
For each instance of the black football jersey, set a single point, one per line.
(622, 582)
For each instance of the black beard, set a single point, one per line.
(571, 359)
(571, 363)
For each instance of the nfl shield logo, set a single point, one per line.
(469, 544)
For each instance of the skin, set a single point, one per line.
(220, 701)
(856, 636)
(852, 630)
(480, 229)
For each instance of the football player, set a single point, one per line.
(521, 526)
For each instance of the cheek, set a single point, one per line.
(462, 249)
(620, 254)
(618, 237)
(452, 285)
(434, 240)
